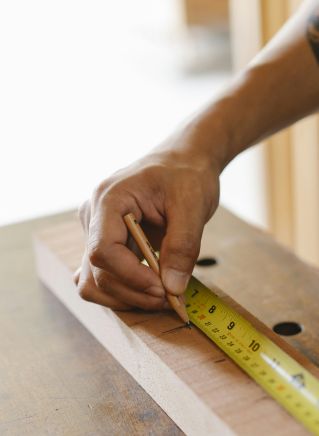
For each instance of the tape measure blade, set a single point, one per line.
(279, 374)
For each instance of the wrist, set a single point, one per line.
(231, 123)
(209, 138)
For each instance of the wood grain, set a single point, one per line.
(56, 379)
(191, 379)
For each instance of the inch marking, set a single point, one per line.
(291, 385)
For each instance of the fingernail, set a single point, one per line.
(156, 291)
(175, 281)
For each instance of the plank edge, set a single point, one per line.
(153, 375)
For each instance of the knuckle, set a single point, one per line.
(105, 189)
(85, 293)
(98, 256)
(118, 196)
(100, 188)
(95, 254)
(152, 170)
(185, 246)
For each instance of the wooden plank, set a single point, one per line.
(305, 182)
(278, 157)
(278, 147)
(293, 164)
(246, 40)
(56, 379)
(291, 156)
(264, 277)
(183, 371)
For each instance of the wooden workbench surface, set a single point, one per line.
(56, 379)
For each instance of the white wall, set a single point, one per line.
(85, 88)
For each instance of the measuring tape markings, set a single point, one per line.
(288, 382)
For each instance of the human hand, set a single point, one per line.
(173, 195)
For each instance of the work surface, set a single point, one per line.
(59, 380)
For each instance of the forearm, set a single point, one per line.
(280, 86)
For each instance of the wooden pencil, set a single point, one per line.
(151, 258)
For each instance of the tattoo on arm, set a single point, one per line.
(313, 33)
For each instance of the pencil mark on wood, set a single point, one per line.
(177, 352)
(176, 328)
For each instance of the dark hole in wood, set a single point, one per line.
(287, 328)
(206, 261)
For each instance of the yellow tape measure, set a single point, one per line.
(275, 371)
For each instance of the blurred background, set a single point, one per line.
(86, 87)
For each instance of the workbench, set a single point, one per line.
(57, 379)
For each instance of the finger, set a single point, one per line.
(107, 248)
(89, 291)
(180, 247)
(110, 285)
(103, 279)
(167, 306)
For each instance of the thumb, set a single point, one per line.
(180, 248)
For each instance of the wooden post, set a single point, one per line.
(291, 156)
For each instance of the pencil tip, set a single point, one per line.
(188, 324)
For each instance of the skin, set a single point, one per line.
(280, 86)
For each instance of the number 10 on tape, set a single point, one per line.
(288, 382)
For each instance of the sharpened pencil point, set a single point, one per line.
(189, 325)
